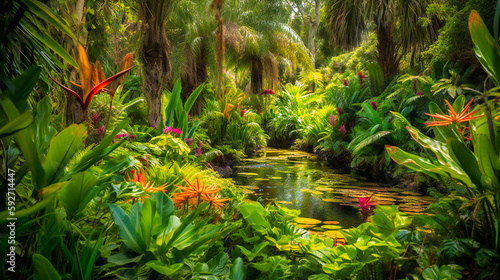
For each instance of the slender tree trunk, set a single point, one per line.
(387, 54)
(76, 18)
(155, 54)
(256, 77)
(193, 76)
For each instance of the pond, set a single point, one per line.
(300, 181)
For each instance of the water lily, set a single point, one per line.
(453, 117)
(374, 105)
(342, 130)
(333, 120)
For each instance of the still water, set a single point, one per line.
(300, 181)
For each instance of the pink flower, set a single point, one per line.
(100, 131)
(188, 141)
(390, 119)
(132, 171)
(343, 130)
(346, 83)
(199, 144)
(95, 118)
(176, 131)
(266, 91)
(339, 111)
(419, 93)
(364, 203)
(242, 112)
(198, 152)
(374, 105)
(360, 75)
(189, 117)
(118, 136)
(167, 129)
(333, 120)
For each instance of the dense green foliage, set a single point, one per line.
(110, 196)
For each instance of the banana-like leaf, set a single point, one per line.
(147, 216)
(164, 206)
(23, 86)
(485, 46)
(172, 103)
(44, 269)
(62, 148)
(126, 228)
(168, 270)
(44, 131)
(437, 171)
(25, 143)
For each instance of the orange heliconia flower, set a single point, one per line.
(215, 200)
(146, 186)
(453, 117)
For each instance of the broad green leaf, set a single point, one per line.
(486, 47)
(237, 271)
(172, 104)
(147, 215)
(192, 98)
(62, 148)
(127, 230)
(78, 192)
(168, 270)
(23, 139)
(164, 206)
(255, 250)
(43, 269)
(467, 160)
(44, 132)
(122, 259)
(19, 123)
(24, 85)
(370, 113)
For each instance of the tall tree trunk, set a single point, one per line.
(155, 54)
(194, 75)
(387, 53)
(311, 34)
(219, 45)
(76, 17)
(256, 77)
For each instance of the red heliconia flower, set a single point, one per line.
(266, 91)
(91, 78)
(453, 117)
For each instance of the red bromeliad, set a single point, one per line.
(453, 117)
(92, 79)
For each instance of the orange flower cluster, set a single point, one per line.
(146, 186)
(196, 192)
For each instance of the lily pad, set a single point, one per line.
(331, 227)
(308, 221)
(248, 174)
(324, 189)
(331, 222)
(336, 200)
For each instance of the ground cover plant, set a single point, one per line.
(125, 177)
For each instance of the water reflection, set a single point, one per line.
(300, 181)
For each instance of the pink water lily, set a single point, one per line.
(364, 203)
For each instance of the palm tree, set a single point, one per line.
(396, 23)
(191, 31)
(258, 38)
(155, 53)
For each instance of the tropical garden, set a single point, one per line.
(123, 122)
